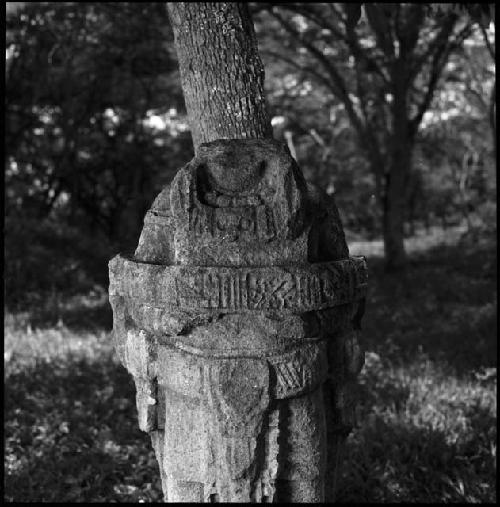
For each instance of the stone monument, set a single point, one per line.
(238, 318)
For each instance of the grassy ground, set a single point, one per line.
(427, 423)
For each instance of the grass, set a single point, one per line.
(427, 421)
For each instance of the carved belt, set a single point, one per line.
(294, 288)
(290, 373)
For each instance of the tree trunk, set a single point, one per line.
(394, 202)
(394, 205)
(223, 85)
(393, 222)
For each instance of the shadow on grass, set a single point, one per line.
(444, 305)
(390, 461)
(71, 435)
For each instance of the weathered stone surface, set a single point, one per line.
(238, 317)
(225, 289)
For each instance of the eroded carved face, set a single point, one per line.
(241, 168)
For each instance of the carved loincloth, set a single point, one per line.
(229, 404)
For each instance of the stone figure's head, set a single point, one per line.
(242, 174)
(234, 203)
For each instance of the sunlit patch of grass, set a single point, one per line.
(70, 425)
(30, 346)
(427, 429)
(421, 242)
(424, 435)
(87, 312)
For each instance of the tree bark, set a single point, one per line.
(394, 212)
(392, 199)
(223, 86)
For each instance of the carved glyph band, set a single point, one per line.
(296, 288)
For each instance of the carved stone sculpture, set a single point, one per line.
(238, 318)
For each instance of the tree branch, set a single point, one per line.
(381, 27)
(490, 47)
(293, 63)
(439, 40)
(408, 32)
(439, 60)
(350, 40)
(338, 85)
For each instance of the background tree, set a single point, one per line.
(483, 15)
(384, 68)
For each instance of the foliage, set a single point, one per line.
(71, 429)
(465, 183)
(483, 13)
(81, 82)
(373, 69)
(427, 425)
(47, 260)
(92, 135)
